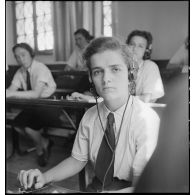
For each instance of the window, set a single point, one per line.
(34, 24)
(107, 17)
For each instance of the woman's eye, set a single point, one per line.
(96, 72)
(115, 69)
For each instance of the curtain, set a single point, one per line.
(68, 16)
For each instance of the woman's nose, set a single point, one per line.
(106, 77)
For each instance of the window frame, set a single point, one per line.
(37, 52)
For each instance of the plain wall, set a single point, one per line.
(166, 20)
(9, 33)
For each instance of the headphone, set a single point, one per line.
(148, 52)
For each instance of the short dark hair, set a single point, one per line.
(146, 35)
(24, 46)
(101, 44)
(84, 33)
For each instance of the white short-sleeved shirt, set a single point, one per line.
(38, 73)
(76, 60)
(149, 80)
(136, 141)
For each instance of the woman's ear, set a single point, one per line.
(150, 47)
(90, 79)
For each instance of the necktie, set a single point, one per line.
(28, 81)
(104, 170)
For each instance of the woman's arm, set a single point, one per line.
(146, 98)
(36, 93)
(63, 170)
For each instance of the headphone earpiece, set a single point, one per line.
(92, 88)
(148, 52)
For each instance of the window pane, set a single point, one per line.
(48, 24)
(49, 40)
(40, 24)
(107, 3)
(21, 39)
(19, 11)
(107, 13)
(28, 9)
(18, 2)
(28, 26)
(30, 40)
(43, 7)
(20, 27)
(107, 31)
(41, 41)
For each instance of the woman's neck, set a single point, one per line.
(115, 104)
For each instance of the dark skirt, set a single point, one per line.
(38, 118)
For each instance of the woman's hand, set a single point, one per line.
(31, 178)
(76, 96)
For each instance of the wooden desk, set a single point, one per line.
(13, 185)
(78, 107)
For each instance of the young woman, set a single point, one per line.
(32, 80)
(149, 86)
(117, 136)
(82, 39)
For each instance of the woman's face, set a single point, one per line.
(80, 41)
(23, 57)
(110, 75)
(138, 46)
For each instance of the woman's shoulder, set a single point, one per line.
(40, 66)
(91, 113)
(150, 65)
(38, 63)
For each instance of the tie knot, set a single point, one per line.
(110, 118)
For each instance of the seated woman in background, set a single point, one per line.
(148, 84)
(180, 60)
(82, 39)
(75, 62)
(33, 80)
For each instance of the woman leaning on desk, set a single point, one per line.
(33, 80)
(117, 136)
(82, 39)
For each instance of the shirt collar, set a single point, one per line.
(30, 68)
(141, 64)
(118, 112)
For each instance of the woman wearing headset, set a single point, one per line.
(149, 86)
(82, 39)
(134, 125)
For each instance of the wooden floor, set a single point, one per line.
(60, 150)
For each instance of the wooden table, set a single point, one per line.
(13, 185)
